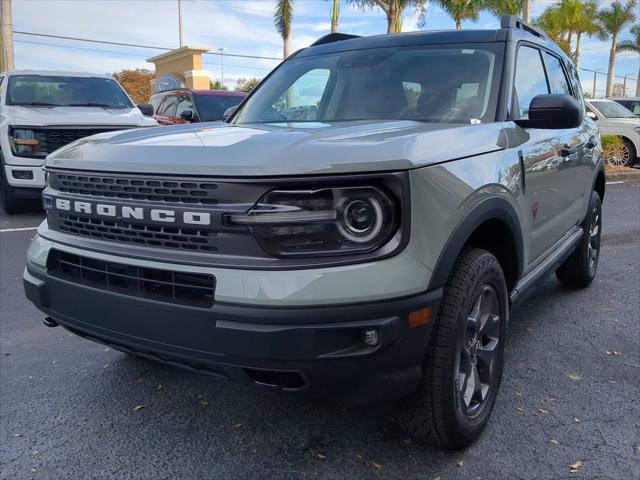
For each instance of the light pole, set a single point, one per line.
(6, 37)
(221, 50)
(180, 22)
(595, 78)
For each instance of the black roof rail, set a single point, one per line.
(333, 37)
(511, 21)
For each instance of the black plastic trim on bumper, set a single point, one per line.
(321, 345)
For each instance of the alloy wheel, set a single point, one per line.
(593, 248)
(480, 352)
(621, 159)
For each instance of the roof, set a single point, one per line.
(179, 52)
(633, 99)
(208, 93)
(54, 73)
(517, 30)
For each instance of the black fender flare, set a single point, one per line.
(494, 208)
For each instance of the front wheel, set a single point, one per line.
(463, 365)
(10, 203)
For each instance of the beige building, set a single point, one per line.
(181, 67)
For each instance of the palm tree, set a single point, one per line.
(632, 46)
(335, 11)
(583, 22)
(506, 7)
(393, 10)
(461, 10)
(282, 18)
(612, 20)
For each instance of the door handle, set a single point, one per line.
(568, 150)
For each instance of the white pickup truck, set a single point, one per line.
(43, 111)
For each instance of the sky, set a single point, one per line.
(239, 26)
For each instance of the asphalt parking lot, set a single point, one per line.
(72, 409)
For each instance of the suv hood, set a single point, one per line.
(218, 149)
(84, 116)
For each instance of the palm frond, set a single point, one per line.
(282, 17)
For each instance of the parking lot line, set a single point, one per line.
(614, 183)
(22, 229)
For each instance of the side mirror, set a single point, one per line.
(592, 116)
(553, 112)
(146, 109)
(228, 112)
(186, 115)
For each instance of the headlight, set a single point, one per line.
(329, 221)
(27, 143)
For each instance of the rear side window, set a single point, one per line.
(168, 107)
(530, 79)
(557, 77)
(575, 83)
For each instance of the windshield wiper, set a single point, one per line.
(94, 104)
(37, 104)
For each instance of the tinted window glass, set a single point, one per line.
(168, 107)
(575, 83)
(612, 110)
(211, 107)
(184, 103)
(530, 78)
(435, 83)
(557, 77)
(60, 91)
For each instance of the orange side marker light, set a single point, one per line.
(420, 317)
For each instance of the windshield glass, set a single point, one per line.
(211, 107)
(61, 91)
(612, 110)
(434, 83)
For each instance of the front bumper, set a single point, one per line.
(316, 352)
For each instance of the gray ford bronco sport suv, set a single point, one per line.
(357, 231)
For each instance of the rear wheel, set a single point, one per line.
(463, 365)
(579, 269)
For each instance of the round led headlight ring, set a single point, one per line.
(361, 220)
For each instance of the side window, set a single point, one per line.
(530, 79)
(168, 107)
(302, 99)
(577, 87)
(557, 77)
(184, 103)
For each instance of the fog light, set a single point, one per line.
(370, 337)
(22, 174)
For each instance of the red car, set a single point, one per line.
(187, 106)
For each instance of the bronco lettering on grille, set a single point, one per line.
(161, 215)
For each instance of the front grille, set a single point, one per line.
(140, 234)
(53, 138)
(162, 190)
(193, 289)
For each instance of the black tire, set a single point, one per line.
(10, 203)
(633, 155)
(438, 414)
(580, 268)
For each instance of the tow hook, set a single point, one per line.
(50, 322)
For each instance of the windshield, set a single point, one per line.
(434, 83)
(612, 110)
(61, 91)
(211, 107)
